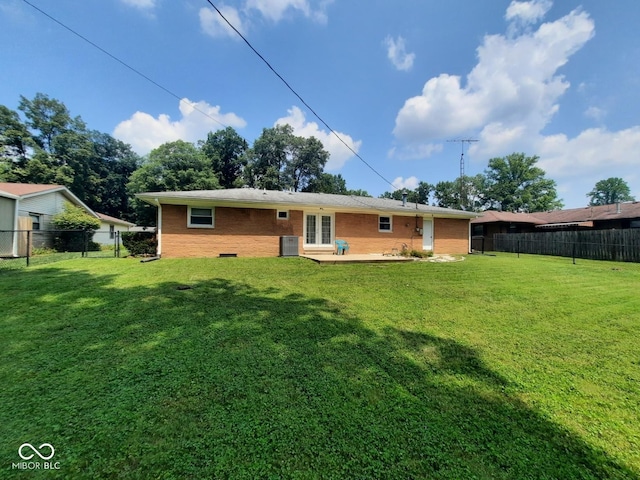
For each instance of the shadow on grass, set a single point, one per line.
(221, 380)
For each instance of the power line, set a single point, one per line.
(123, 63)
(297, 94)
(181, 100)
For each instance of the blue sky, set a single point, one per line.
(396, 80)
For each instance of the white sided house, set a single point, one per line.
(26, 206)
(109, 228)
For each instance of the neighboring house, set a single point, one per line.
(26, 206)
(109, 226)
(602, 217)
(491, 222)
(252, 222)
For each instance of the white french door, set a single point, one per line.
(318, 230)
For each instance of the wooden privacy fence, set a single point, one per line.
(616, 245)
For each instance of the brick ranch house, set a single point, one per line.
(254, 223)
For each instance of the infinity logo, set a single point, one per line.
(36, 451)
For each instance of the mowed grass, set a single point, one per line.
(492, 367)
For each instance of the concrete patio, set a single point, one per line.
(357, 258)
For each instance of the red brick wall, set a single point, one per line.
(360, 230)
(250, 232)
(450, 235)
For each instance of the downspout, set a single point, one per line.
(159, 229)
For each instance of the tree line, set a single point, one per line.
(43, 143)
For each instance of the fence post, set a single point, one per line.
(518, 248)
(573, 253)
(28, 247)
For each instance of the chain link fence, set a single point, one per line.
(20, 248)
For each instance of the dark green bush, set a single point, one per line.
(140, 243)
(417, 253)
(75, 241)
(77, 229)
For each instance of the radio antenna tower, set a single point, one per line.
(463, 197)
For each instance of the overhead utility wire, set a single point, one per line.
(298, 95)
(134, 70)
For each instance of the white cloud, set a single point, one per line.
(596, 151)
(510, 97)
(410, 183)
(339, 153)
(595, 113)
(595, 154)
(274, 10)
(213, 24)
(396, 52)
(528, 12)
(241, 18)
(141, 4)
(145, 132)
(515, 83)
(417, 151)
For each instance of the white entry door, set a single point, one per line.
(427, 234)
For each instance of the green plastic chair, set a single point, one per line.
(342, 247)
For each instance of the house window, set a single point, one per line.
(200, 217)
(318, 230)
(635, 224)
(283, 215)
(35, 221)
(384, 224)
(112, 231)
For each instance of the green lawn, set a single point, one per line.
(493, 367)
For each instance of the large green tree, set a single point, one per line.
(515, 183)
(447, 194)
(268, 157)
(306, 163)
(48, 118)
(418, 195)
(280, 160)
(611, 190)
(15, 138)
(335, 184)
(115, 161)
(50, 146)
(226, 149)
(173, 166)
(328, 183)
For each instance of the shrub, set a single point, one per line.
(140, 243)
(417, 253)
(77, 229)
(42, 251)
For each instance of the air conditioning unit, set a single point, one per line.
(288, 246)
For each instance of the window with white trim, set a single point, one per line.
(384, 223)
(199, 217)
(282, 215)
